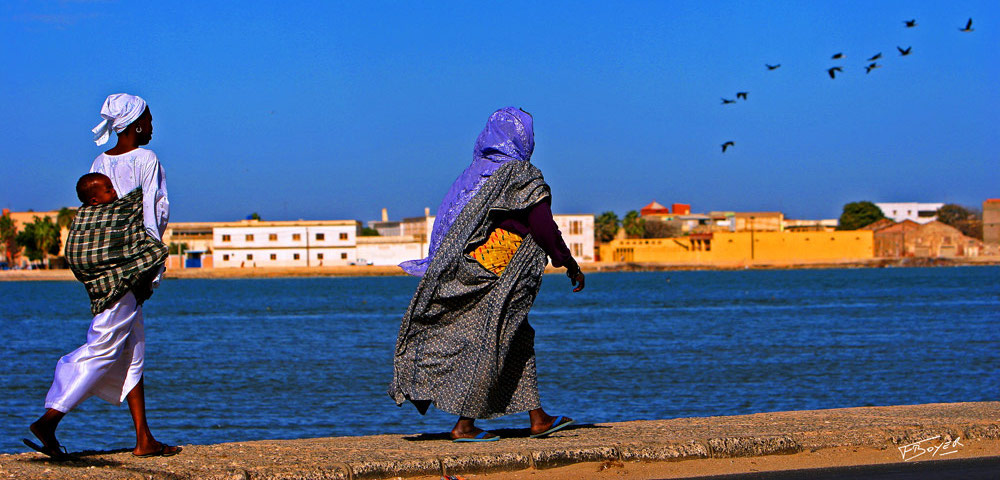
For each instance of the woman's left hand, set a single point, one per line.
(578, 280)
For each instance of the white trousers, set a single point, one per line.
(109, 365)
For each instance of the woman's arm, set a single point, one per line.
(546, 233)
(155, 207)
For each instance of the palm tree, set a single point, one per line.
(635, 226)
(65, 217)
(40, 239)
(605, 227)
(8, 239)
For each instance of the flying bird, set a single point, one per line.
(832, 71)
(968, 27)
(726, 101)
(875, 57)
(742, 95)
(904, 52)
(727, 145)
(772, 67)
(910, 23)
(837, 56)
(871, 67)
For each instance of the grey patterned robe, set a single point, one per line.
(465, 344)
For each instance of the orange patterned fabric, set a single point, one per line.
(497, 251)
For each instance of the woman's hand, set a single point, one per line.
(577, 280)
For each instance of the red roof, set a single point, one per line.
(654, 208)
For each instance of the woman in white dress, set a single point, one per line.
(110, 364)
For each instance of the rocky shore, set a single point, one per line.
(892, 434)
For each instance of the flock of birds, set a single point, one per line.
(834, 70)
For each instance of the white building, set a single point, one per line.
(260, 244)
(917, 212)
(390, 250)
(253, 243)
(578, 233)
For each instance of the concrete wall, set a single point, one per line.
(991, 226)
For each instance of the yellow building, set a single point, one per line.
(743, 248)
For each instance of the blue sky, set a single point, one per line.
(331, 110)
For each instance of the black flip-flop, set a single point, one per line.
(560, 423)
(56, 454)
(162, 452)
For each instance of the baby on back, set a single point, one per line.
(95, 189)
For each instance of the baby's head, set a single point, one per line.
(95, 189)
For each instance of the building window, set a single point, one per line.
(343, 256)
(295, 256)
(272, 237)
(577, 250)
(296, 237)
(226, 237)
(249, 237)
(274, 256)
(575, 227)
(343, 236)
(225, 258)
(320, 236)
(319, 256)
(249, 256)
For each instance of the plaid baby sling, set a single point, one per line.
(109, 250)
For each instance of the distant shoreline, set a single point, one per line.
(392, 270)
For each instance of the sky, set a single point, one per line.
(335, 110)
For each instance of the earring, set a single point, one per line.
(138, 129)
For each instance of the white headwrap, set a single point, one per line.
(119, 111)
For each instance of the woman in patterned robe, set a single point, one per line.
(465, 344)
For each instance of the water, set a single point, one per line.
(234, 360)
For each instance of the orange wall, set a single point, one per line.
(735, 247)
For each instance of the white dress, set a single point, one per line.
(110, 364)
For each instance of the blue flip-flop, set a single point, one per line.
(480, 437)
(560, 423)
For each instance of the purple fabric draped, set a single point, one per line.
(508, 136)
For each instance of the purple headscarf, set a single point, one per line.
(508, 136)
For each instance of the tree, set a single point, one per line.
(605, 227)
(369, 232)
(968, 221)
(655, 228)
(634, 225)
(40, 239)
(65, 217)
(8, 239)
(859, 214)
(254, 216)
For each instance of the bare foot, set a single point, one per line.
(46, 433)
(545, 422)
(468, 433)
(156, 450)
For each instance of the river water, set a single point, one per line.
(234, 360)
